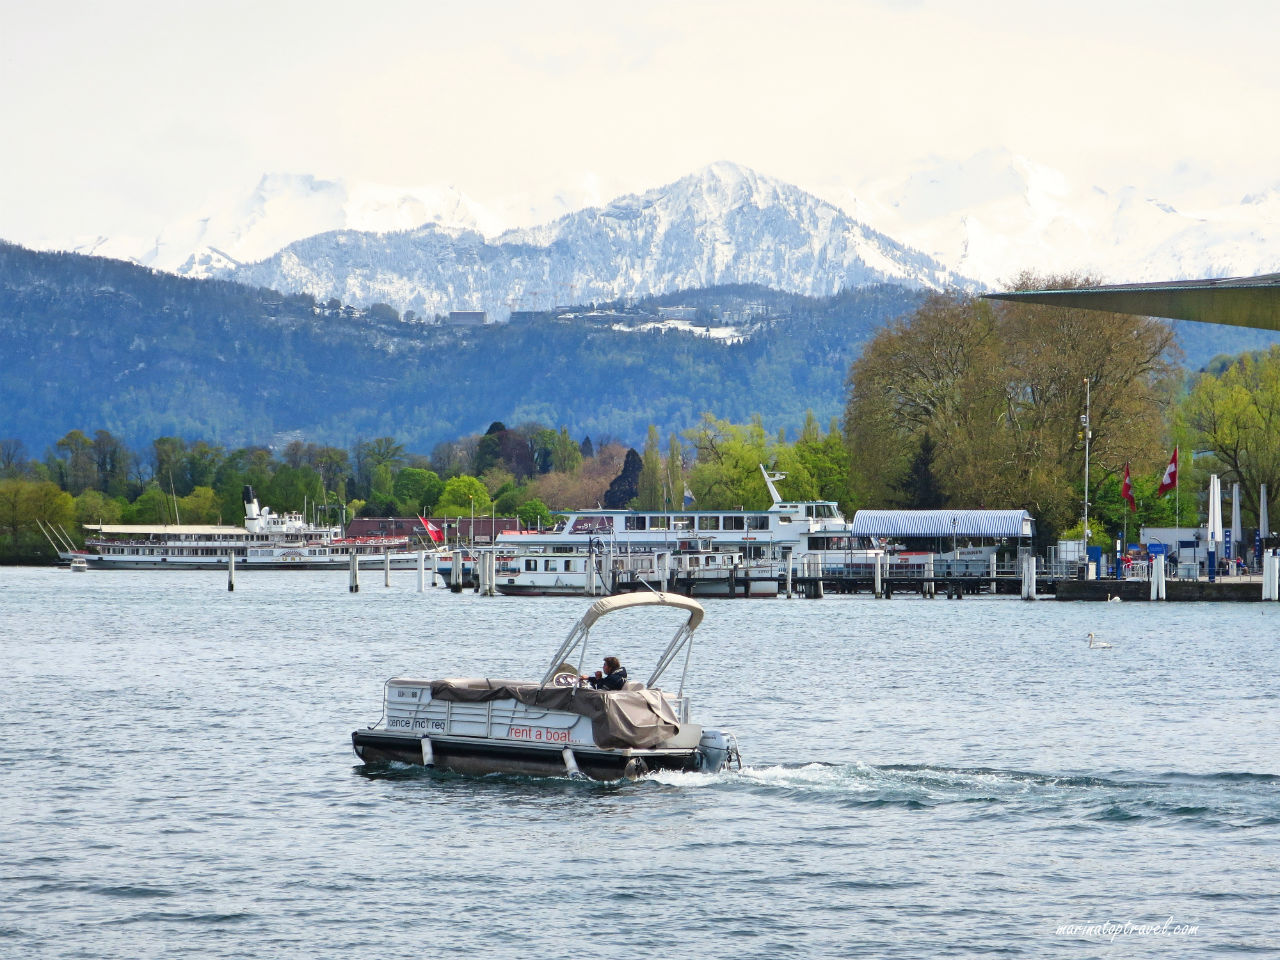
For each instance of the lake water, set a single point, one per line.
(922, 779)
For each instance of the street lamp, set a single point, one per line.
(471, 529)
(955, 547)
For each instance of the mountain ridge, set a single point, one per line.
(724, 224)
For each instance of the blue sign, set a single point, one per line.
(1158, 549)
(1226, 544)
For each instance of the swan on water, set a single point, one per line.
(1096, 644)
(1111, 599)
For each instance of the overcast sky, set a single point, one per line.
(121, 117)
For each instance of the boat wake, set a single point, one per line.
(1224, 800)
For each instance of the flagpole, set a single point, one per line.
(1177, 488)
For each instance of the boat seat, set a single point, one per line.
(632, 685)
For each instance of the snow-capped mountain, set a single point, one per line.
(281, 208)
(996, 214)
(724, 224)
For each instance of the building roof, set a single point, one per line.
(939, 523)
(160, 529)
(1236, 301)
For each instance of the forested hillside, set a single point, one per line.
(91, 343)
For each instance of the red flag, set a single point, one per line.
(1170, 475)
(432, 530)
(1126, 490)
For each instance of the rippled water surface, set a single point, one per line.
(922, 779)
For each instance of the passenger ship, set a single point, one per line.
(267, 541)
(813, 536)
(692, 568)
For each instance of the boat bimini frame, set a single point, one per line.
(683, 638)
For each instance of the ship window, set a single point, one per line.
(635, 523)
(758, 523)
(682, 523)
(659, 523)
(530, 564)
(568, 566)
(735, 523)
(708, 523)
(550, 566)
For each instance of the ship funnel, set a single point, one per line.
(250, 503)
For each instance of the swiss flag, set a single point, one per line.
(1126, 490)
(432, 530)
(1170, 475)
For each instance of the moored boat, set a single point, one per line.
(689, 567)
(555, 727)
(267, 541)
(812, 536)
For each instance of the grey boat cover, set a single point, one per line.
(621, 718)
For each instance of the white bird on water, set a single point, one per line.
(1111, 599)
(1096, 644)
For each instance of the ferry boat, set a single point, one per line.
(813, 536)
(690, 567)
(558, 726)
(267, 541)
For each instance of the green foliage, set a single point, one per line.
(201, 505)
(93, 506)
(1234, 416)
(649, 483)
(149, 355)
(999, 391)
(463, 496)
(24, 505)
(533, 513)
(417, 490)
(727, 472)
(566, 455)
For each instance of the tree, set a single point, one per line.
(674, 479)
(24, 505)
(463, 496)
(826, 459)
(93, 507)
(169, 458)
(566, 457)
(114, 461)
(534, 513)
(201, 505)
(649, 483)
(1235, 416)
(417, 490)
(625, 485)
(919, 487)
(370, 454)
(727, 472)
(78, 471)
(999, 391)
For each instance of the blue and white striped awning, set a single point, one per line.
(943, 523)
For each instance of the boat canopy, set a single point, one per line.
(582, 629)
(623, 601)
(943, 523)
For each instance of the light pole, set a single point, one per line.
(1086, 430)
(471, 528)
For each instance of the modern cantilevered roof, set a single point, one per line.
(1236, 301)
(939, 523)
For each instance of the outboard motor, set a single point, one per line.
(716, 750)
